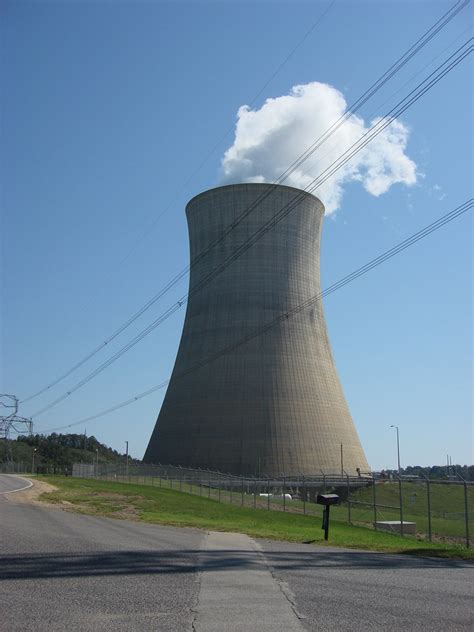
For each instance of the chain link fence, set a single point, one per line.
(29, 467)
(432, 509)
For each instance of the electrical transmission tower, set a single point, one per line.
(12, 422)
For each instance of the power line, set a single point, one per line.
(176, 279)
(349, 278)
(366, 138)
(282, 64)
(392, 70)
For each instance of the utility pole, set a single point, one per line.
(126, 458)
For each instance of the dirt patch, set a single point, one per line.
(32, 494)
(111, 496)
(128, 513)
(121, 510)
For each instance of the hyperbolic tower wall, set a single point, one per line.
(272, 404)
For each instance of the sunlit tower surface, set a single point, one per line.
(244, 398)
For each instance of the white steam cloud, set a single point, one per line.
(268, 140)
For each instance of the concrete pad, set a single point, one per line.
(238, 592)
(395, 526)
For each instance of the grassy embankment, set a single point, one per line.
(165, 506)
(447, 503)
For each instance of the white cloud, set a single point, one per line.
(268, 140)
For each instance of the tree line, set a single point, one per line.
(437, 472)
(60, 451)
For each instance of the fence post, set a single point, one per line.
(400, 497)
(348, 500)
(268, 495)
(304, 495)
(209, 489)
(200, 486)
(374, 500)
(284, 496)
(428, 498)
(255, 494)
(466, 511)
(242, 494)
(219, 489)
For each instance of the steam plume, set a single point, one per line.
(268, 140)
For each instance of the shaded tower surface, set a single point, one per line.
(252, 404)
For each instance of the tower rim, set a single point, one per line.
(247, 185)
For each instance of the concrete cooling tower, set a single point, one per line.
(245, 398)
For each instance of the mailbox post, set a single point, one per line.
(327, 500)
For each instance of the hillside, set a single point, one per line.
(60, 451)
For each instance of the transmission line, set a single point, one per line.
(291, 313)
(420, 43)
(312, 28)
(376, 129)
(176, 279)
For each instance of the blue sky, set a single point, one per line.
(109, 110)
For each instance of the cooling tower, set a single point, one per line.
(254, 389)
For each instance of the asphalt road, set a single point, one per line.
(60, 570)
(10, 484)
(340, 590)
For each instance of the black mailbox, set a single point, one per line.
(327, 500)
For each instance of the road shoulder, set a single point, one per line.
(32, 494)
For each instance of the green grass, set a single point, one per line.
(165, 506)
(447, 506)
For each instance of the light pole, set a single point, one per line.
(97, 461)
(126, 458)
(398, 447)
(399, 479)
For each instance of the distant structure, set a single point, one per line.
(12, 422)
(244, 398)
